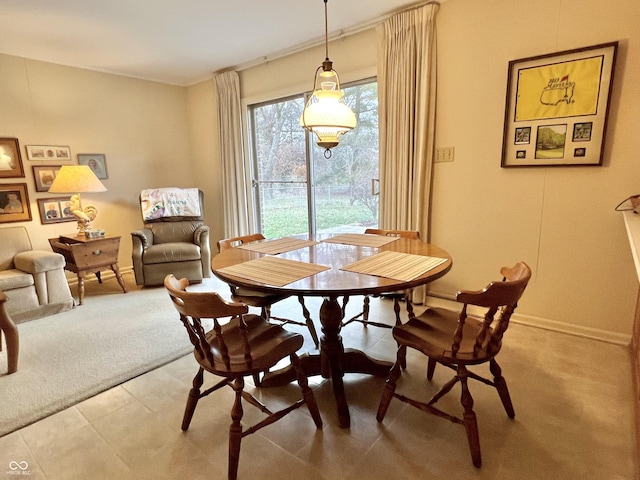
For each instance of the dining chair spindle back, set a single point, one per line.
(458, 340)
(243, 346)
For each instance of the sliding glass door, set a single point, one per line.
(297, 190)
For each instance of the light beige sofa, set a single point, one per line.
(33, 280)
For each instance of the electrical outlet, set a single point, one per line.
(445, 154)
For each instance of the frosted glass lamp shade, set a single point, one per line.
(326, 114)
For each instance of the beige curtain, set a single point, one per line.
(234, 185)
(407, 98)
(407, 110)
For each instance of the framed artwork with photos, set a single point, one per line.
(10, 160)
(14, 203)
(44, 175)
(96, 162)
(48, 152)
(556, 108)
(55, 210)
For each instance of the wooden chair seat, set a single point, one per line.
(240, 347)
(269, 344)
(457, 340)
(430, 333)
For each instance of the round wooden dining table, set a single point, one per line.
(331, 283)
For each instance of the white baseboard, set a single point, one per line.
(545, 323)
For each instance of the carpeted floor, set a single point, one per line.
(71, 356)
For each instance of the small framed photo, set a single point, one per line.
(55, 210)
(10, 161)
(43, 176)
(48, 152)
(96, 162)
(582, 131)
(14, 203)
(523, 136)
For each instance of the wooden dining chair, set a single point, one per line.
(264, 301)
(459, 340)
(397, 297)
(12, 336)
(245, 345)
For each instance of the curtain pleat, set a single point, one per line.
(407, 111)
(234, 185)
(406, 86)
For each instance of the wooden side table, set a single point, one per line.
(91, 255)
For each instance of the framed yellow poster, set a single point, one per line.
(556, 108)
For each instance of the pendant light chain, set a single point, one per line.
(326, 32)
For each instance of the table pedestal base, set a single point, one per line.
(333, 360)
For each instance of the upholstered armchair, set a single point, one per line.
(33, 280)
(173, 240)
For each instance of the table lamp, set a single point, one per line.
(76, 179)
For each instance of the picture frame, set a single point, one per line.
(557, 106)
(55, 210)
(43, 176)
(10, 159)
(48, 152)
(14, 203)
(96, 162)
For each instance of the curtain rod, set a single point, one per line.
(335, 36)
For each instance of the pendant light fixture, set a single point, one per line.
(325, 113)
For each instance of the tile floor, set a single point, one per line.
(572, 396)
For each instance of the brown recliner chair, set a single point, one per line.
(171, 244)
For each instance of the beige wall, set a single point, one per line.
(560, 220)
(142, 128)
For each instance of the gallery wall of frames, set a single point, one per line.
(44, 161)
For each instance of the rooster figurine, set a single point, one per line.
(85, 215)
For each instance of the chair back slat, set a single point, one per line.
(498, 297)
(195, 306)
(237, 241)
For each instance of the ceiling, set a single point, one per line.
(179, 42)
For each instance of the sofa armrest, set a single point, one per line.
(201, 235)
(201, 238)
(144, 237)
(38, 261)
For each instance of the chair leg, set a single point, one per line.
(307, 393)
(309, 321)
(431, 368)
(12, 338)
(389, 388)
(192, 400)
(402, 356)
(345, 300)
(365, 310)
(501, 386)
(469, 417)
(235, 430)
(396, 309)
